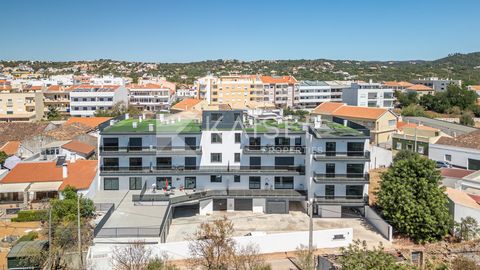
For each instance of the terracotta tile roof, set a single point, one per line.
(186, 104)
(80, 174)
(18, 131)
(455, 173)
(55, 88)
(144, 86)
(397, 84)
(419, 87)
(68, 132)
(327, 108)
(79, 147)
(359, 112)
(475, 87)
(275, 79)
(34, 88)
(462, 198)
(10, 148)
(91, 122)
(401, 125)
(469, 140)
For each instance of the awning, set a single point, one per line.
(44, 186)
(17, 187)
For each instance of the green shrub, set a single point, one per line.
(28, 237)
(31, 215)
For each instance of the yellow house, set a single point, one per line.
(382, 123)
(23, 106)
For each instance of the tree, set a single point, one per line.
(134, 256)
(413, 110)
(213, 248)
(411, 199)
(53, 113)
(357, 257)
(305, 258)
(467, 229)
(118, 109)
(66, 210)
(406, 99)
(403, 154)
(467, 119)
(3, 157)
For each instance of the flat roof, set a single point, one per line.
(313, 83)
(449, 128)
(331, 130)
(266, 126)
(25, 248)
(180, 126)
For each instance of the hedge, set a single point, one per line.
(28, 237)
(31, 215)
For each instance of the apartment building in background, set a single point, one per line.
(150, 97)
(397, 86)
(437, 84)
(373, 95)
(58, 97)
(21, 106)
(86, 99)
(281, 90)
(227, 162)
(313, 93)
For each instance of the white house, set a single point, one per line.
(462, 205)
(461, 152)
(86, 99)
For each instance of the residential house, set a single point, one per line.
(58, 97)
(150, 97)
(462, 205)
(420, 89)
(381, 123)
(85, 100)
(368, 95)
(461, 152)
(414, 137)
(282, 91)
(21, 107)
(437, 84)
(449, 128)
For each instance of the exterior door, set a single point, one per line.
(190, 182)
(330, 170)
(330, 148)
(330, 192)
(219, 204)
(276, 207)
(162, 182)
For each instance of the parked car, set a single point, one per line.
(443, 164)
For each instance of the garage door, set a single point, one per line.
(219, 204)
(186, 210)
(243, 205)
(277, 207)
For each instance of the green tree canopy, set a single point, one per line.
(66, 210)
(3, 157)
(412, 200)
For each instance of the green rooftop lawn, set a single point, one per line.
(272, 125)
(178, 126)
(341, 130)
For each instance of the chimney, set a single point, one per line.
(150, 127)
(134, 124)
(140, 119)
(73, 158)
(64, 170)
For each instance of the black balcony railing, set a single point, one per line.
(341, 199)
(275, 149)
(346, 155)
(210, 169)
(362, 177)
(135, 149)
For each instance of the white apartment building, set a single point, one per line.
(86, 99)
(108, 80)
(227, 164)
(436, 83)
(369, 95)
(183, 93)
(313, 93)
(150, 97)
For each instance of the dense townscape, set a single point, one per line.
(303, 164)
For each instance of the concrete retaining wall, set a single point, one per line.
(385, 229)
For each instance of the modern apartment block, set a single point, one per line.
(228, 162)
(436, 83)
(369, 95)
(58, 97)
(150, 97)
(281, 90)
(313, 93)
(86, 99)
(23, 106)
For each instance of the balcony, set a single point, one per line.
(350, 155)
(205, 170)
(347, 200)
(326, 178)
(171, 150)
(274, 149)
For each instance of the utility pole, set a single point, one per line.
(79, 233)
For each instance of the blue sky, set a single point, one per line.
(189, 30)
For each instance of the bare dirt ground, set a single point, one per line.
(374, 184)
(8, 228)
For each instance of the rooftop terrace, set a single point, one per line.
(273, 126)
(331, 129)
(127, 126)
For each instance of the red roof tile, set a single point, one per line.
(186, 104)
(10, 148)
(455, 173)
(79, 147)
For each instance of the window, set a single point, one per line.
(355, 149)
(164, 162)
(283, 162)
(448, 157)
(110, 144)
(216, 117)
(135, 144)
(330, 170)
(215, 178)
(236, 178)
(399, 146)
(255, 163)
(110, 164)
(135, 163)
(298, 141)
(392, 122)
(190, 163)
(282, 141)
(190, 143)
(330, 148)
(238, 137)
(236, 117)
(420, 149)
(135, 183)
(329, 191)
(283, 182)
(163, 182)
(216, 137)
(236, 157)
(110, 184)
(190, 182)
(254, 182)
(216, 157)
